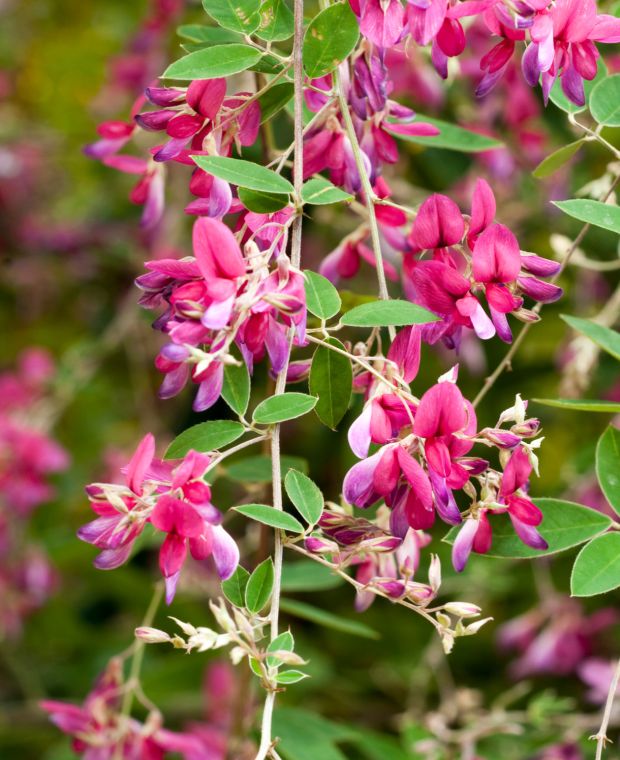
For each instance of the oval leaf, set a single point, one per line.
(608, 465)
(270, 516)
(286, 406)
(237, 15)
(319, 191)
(322, 298)
(262, 203)
(305, 495)
(556, 160)
(329, 39)
(244, 174)
(597, 567)
(608, 340)
(564, 525)
(290, 676)
(593, 212)
(386, 313)
(206, 436)
(234, 588)
(236, 387)
(581, 404)
(276, 21)
(331, 380)
(259, 586)
(212, 62)
(212, 35)
(605, 101)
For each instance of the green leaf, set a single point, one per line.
(451, 137)
(285, 406)
(234, 588)
(211, 35)
(262, 203)
(237, 15)
(558, 97)
(212, 62)
(564, 525)
(284, 642)
(305, 495)
(385, 313)
(291, 676)
(327, 619)
(244, 174)
(257, 469)
(331, 380)
(605, 101)
(206, 436)
(608, 340)
(593, 212)
(329, 39)
(277, 21)
(236, 387)
(319, 191)
(557, 159)
(308, 575)
(322, 298)
(274, 100)
(608, 465)
(270, 516)
(597, 567)
(580, 404)
(259, 586)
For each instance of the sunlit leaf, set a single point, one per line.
(597, 567)
(244, 174)
(285, 406)
(259, 586)
(206, 436)
(329, 38)
(212, 62)
(266, 515)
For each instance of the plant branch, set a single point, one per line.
(266, 742)
(601, 737)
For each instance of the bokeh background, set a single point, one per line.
(70, 248)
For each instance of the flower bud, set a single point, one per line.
(152, 635)
(434, 572)
(473, 628)
(462, 609)
(318, 545)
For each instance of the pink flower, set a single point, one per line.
(174, 498)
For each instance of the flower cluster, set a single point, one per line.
(100, 730)
(173, 498)
(423, 459)
(221, 298)
(560, 37)
(28, 456)
(470, 257)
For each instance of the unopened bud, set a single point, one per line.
(434, 572)
(152, 635)
(187, 628)
(462, 609)
(473, 628)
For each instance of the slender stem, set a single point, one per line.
(369, 194)
(138, 655)
(506, 362)
(265, 748)
(601, 736)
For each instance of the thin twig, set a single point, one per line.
(601, 737)
(266, 742)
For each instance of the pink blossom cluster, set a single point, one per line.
(220, 298)
(559, 38)
(424, 457)
(172, 497)
(28, 457)
(101, 731)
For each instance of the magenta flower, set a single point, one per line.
(174, 498)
